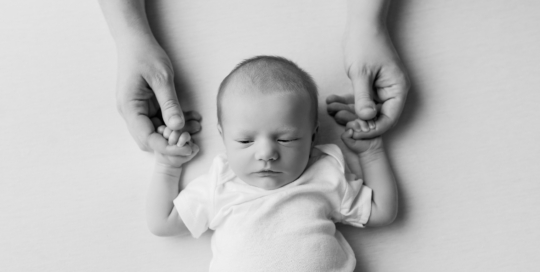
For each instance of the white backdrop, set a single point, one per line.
(466, 151)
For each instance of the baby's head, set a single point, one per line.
(267, 114)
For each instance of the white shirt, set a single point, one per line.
(291, 228)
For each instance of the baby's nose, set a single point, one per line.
(267, 151)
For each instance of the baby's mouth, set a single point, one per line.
(267, 172)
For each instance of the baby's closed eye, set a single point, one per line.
(287, 140)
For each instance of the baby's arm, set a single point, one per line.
(162, 218)
(377, 174)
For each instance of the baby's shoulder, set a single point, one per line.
(329, 150)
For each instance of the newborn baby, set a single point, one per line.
(274, 197)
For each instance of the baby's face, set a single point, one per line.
(268, 137)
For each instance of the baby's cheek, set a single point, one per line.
(237, 163)
(298, 162)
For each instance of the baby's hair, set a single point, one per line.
(269, 74)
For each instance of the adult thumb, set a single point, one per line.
(363, 102)
(168, 102)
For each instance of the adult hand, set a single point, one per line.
(146, 96)
(379, 80)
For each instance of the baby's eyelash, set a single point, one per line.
(286, 141)
(279, 140)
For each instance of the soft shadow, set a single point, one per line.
(397, 19)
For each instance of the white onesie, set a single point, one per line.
(291, 228)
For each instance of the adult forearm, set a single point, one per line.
(366, 14)
(127, 20)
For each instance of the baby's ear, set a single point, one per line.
(314, 135)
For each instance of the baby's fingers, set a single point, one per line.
(174, 137)
(167, 132)
(371, 124)
(358, 125)
(347, 137)
(161, 129)
(194, 150)
(184, 139)
(190, 151)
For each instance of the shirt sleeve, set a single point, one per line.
(355, 206)
(356, 203)
(194, 205)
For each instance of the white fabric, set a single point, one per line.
(287, 229)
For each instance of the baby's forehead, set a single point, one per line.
(280, 108)
(246, 92)
(244, 101)
(248, 85)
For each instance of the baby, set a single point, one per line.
(273, 198)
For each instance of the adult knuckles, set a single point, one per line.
(169, 104)
(160, 77)
(360, 70)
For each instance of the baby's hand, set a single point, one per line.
(182, 140)
(353, 141)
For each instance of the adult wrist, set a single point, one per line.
(366, 16)
(133, 40)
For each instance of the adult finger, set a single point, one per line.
(389, 112)
(192, 122)
(344, 116)
(363, 101)
(343, 99)
(341, 108)
(192, 115)
(335, 107)
(192, 126)
(163, 86)
(141, 128)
